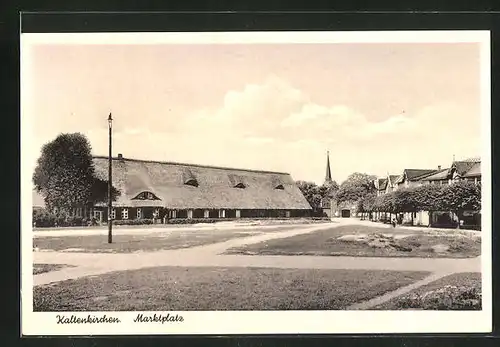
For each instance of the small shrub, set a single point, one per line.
(43, 219)
(446, 298)
(46, 219)
(194, 220)
(134, 222)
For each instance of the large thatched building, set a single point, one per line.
(160, 190)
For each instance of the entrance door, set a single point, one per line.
(98, 216)
(346, 213)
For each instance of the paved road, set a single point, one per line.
(91, 264)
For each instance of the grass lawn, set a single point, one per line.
(374, 242)
(146, 242)
(41, 268)
(218, 288)
(465, 281)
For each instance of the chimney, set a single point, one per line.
(120, 156)
(439, 167)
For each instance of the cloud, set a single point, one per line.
(275, 126)
(277, 110)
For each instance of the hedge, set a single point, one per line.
(458, 196)
(45, 219)
(135, 221)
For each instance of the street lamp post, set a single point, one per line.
(110, 207)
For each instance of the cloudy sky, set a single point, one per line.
(377, 108)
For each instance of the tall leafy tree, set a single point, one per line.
(429, 197)
(461, 196)
(311, 192)
(355, 187)
(64, 174)
(329, 190)
(367, 203)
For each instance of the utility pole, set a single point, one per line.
(110, 175)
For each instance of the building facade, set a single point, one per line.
(468, 169)
(164, 190)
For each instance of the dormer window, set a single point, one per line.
(277, 184)
(237, 181)
(146, 196)
(188, 178)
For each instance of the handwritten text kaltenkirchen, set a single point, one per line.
(90, 319)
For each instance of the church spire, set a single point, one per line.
(328, 176)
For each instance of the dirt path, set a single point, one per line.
(401, 291)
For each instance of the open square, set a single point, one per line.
(242, 267)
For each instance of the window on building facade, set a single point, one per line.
(139, 213)
(125, 213)
(146, 196)
(188, 178)
(156, 213)
(236, 181)
(113, 214)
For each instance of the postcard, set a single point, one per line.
(256, 183)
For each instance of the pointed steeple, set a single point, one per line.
(328, 176)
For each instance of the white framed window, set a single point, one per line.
(173, 214)
(113, 213)
(206, 213)
(139, 213)
(125, 213)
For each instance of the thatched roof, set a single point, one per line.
(182, 186)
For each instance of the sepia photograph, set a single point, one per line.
(256, 182)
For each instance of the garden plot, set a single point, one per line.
(365, 241)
